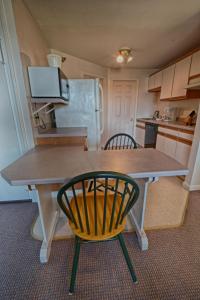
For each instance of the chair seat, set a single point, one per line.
(100, 210)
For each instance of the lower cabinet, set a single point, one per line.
(160, 143)
(176, 149)
(173, 142)
(166, 145)
(140, 135)
(182, 153)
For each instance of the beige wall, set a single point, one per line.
(33, 49)
(190, 104)
(75, 68)
(31, 41)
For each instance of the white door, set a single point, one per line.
(122, 106)
(10, 148)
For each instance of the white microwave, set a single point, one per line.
(48, 82)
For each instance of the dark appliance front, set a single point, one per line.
(150, 135)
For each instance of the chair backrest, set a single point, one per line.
(100, 213)
(120, 141)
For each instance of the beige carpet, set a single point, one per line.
(169, 270)
(166, 203)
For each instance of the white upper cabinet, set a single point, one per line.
(151, 83)
(167, 82)
(158, 79)
(195, 65)
(173, 80)
(155, 81)
(181, 76)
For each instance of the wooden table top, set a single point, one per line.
(57, 164)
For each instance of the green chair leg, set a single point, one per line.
(127, 257)
(75, 264)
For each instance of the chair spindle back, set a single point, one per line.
(120, 141)
(99, 213)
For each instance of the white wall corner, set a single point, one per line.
(16, 81)
(186, 185)
(190, 187)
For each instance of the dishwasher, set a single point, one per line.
(150, 135)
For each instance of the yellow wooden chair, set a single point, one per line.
(100, 214)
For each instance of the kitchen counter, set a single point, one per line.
(71, 136)
(57, 164)
(168, 124)
(62, 132)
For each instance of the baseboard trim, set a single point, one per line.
(191, 187)
(15, 201)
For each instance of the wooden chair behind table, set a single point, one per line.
(98, 215)
(120, 141)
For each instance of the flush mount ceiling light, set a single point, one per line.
(124, 55)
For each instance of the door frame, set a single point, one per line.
(15, 77)
(136, 100)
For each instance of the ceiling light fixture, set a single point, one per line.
(124, 55)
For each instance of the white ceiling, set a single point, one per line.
(157, 30)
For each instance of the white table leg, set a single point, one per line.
(49, 214)
(137, 213)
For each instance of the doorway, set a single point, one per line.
(122, 107)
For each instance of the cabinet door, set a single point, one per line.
(195, 65)
(181, 77)
(182, 153)
(139, 136)
(151, 83)
(160, 143)
(170, 147)
(166, 145)
(167, 82)
(158, 79)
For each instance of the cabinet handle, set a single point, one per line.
(1, 52)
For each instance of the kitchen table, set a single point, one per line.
(43, 166)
